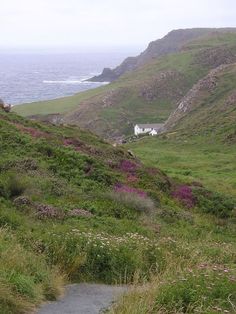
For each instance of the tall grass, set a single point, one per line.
(25, 278)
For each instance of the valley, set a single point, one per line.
(156, 214)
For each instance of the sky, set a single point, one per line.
(36, 24)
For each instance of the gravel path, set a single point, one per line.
(84, 299)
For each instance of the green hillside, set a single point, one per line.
(200, 135)
(147, 94)
(74, 208)
(209, 109)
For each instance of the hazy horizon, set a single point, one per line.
(75, 25)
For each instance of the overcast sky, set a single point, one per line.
(105, 23)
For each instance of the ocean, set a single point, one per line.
(26, 78)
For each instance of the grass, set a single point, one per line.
(192, 160)
(60, 105)
(139, 225)
(148, 94)
(165, 225)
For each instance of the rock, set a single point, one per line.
(108, 75)
(47, 211)
(22, 201)
(131, 153)
(231, 100)
(80, 213)
(5, 107)
(189, 102)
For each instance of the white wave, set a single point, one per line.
(63, 82)
(69, 82)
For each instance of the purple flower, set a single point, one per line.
(185, 195)
(127, 189)
(128, 166)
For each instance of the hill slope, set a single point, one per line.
(147, 94)
(72, 206)
(173, 42)
(209, 108)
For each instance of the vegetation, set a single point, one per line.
(149, 93)
(73, 205)
(194, 159)
(74, 208)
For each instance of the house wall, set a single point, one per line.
(138, 130)
(153, 132)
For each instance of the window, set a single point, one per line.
(143, 129)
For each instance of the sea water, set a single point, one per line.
(26, 78)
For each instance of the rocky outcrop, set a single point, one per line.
(190, 101)
(159, 87)
(4, 106)
(108, 75)
(231, 100)
(171, 43)
(214, 57)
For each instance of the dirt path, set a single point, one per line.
(84, 299)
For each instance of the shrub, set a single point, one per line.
(15, 185)
(25, 278)
(132, 198)
(103, 257)
(185, 195)
(3, 190)
(128, 166)
(206, 291)
(214, 203)
(172, 216)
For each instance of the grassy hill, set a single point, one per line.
(198, 145)
(74, 208)
(147, 94)
(209, 109)
(200, 135)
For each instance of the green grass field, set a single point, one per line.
(213, 164)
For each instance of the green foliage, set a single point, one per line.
(133, 201)
(15, 185)
(117, 243)
(25, 278)
(211, 162)
(214, 203)
(204, 292)
(102, 257)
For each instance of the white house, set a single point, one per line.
(152, 129)
(153, 132)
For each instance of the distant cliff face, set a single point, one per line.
(171, 43)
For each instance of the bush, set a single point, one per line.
(102, 257)
(132, 198)
(214, 203)
(15, 185)
(3, 190)
(207, 291)
(184, 194)
(25, 278)
(172, 216)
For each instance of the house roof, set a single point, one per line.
(150, 126)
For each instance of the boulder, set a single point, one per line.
(5, 107)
